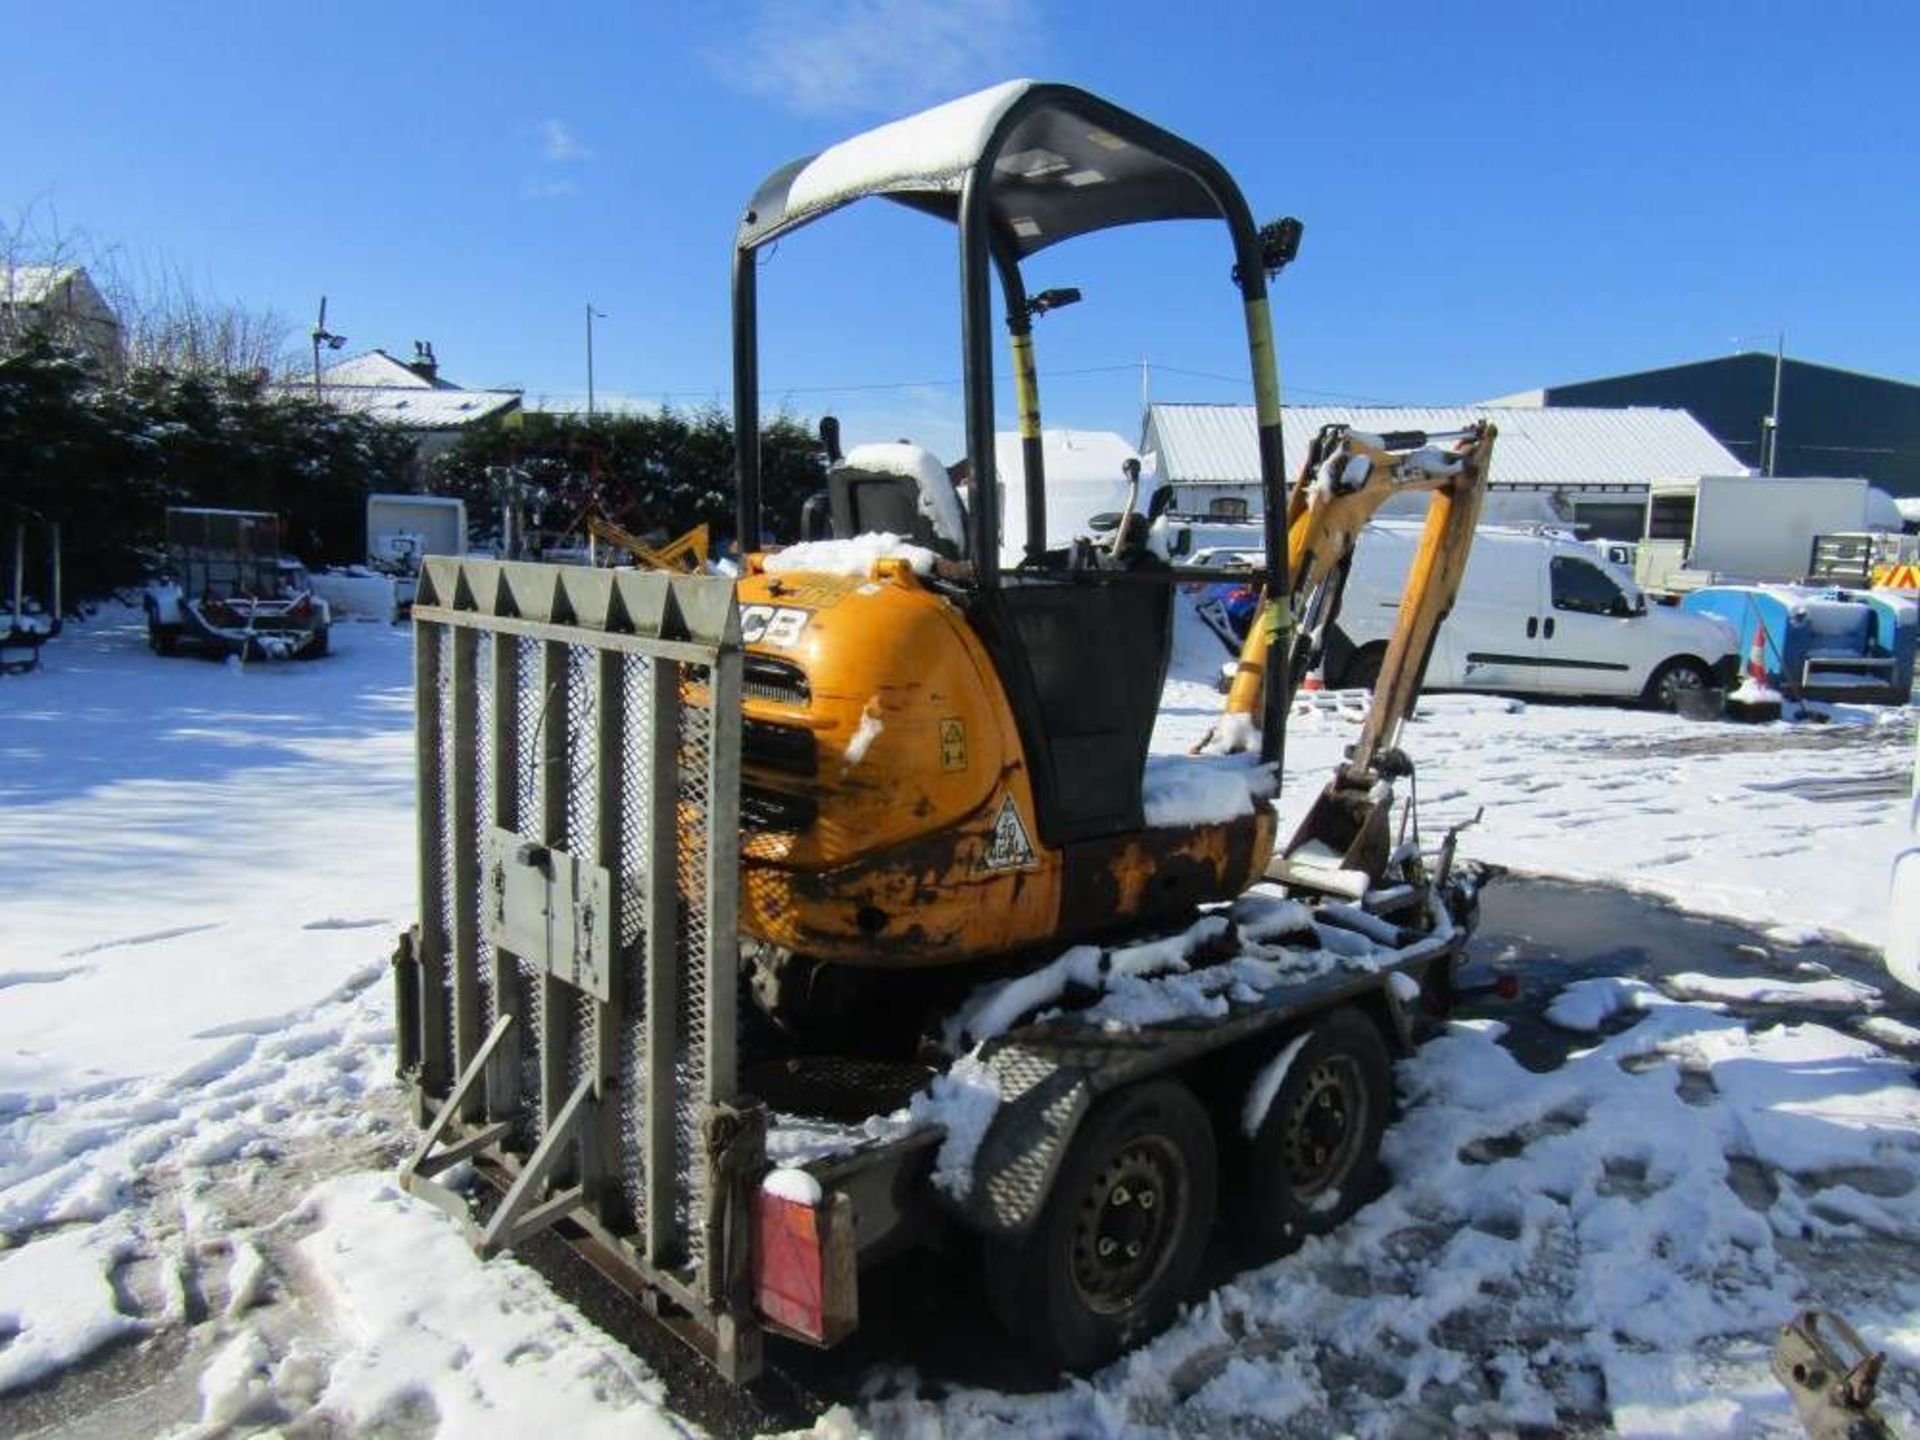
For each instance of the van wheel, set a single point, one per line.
(1314, 1160)
(1122, 1235)
(1363, 670)
(1677, 674)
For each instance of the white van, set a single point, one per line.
(1537, 614)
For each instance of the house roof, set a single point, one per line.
(1218, 444)
(385, 389)
(31, 284)
(37, 284)
(376, 367)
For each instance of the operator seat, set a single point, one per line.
(1084, 662)
(898, 489)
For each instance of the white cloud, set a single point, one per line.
(549, 189)
(559, 143)
(878, 56)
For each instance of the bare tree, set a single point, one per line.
(60, 282)
(173, 324)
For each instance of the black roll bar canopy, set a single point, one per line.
(1017, 168)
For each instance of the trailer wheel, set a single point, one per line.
(1122, 1235)
(1314, 1159)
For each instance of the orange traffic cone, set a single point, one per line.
(1756, 699)
(1757, 656)
(1315, 682)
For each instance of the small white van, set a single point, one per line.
(1537, 614)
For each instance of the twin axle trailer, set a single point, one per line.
(572, 1022)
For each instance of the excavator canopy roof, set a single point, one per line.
(1059, 162)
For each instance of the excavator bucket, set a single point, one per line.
(1341, 848)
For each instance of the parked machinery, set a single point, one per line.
(887, 771)
(224, 588)
(30, 592)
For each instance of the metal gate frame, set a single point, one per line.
(566, 1004)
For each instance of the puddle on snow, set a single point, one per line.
(1550, 933)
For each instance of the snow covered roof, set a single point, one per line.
(37, 284)
(929, 151)
(1218, 444)
(1054, 162)
(1084, 477)
(31, 284)
(382, 388)
(377, 367)
(1069, 456)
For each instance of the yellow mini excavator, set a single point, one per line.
(945, 758)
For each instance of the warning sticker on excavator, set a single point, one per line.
(1008, 847)
(953, 744)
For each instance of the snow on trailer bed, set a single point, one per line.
(1086, 1023)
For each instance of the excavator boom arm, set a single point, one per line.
(1346, 479)
(1342, 846)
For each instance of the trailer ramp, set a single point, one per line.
(567, 1000)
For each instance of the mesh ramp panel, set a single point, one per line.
(632, 863)
(691, 970)
(530, 736)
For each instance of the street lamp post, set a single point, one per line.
(323, 336)
(591, 313)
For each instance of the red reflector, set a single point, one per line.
(1507, 986)
(789, 1285)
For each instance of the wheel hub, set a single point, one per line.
(1324, 1126)
(1127, 1222)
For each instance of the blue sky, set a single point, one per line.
(1495, 196)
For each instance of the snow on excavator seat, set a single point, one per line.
(897, 489)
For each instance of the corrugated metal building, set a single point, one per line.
(1832, 421)
(1585, 466)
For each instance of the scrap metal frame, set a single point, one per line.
(578, 749)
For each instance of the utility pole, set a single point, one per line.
(1773, 418)
(591, 312)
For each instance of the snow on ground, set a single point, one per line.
(1609, 1245)
(1790, 828)
(209, 863)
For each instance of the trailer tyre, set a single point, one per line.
(1316, 1156)
(1122, 1235)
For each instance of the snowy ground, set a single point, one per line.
(209, 864)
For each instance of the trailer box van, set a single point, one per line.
(402, 530)
(1538, 613)
(1705, 529)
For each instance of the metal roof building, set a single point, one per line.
(1589, 466)
(1831, 421)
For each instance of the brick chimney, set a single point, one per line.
(423, 364)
